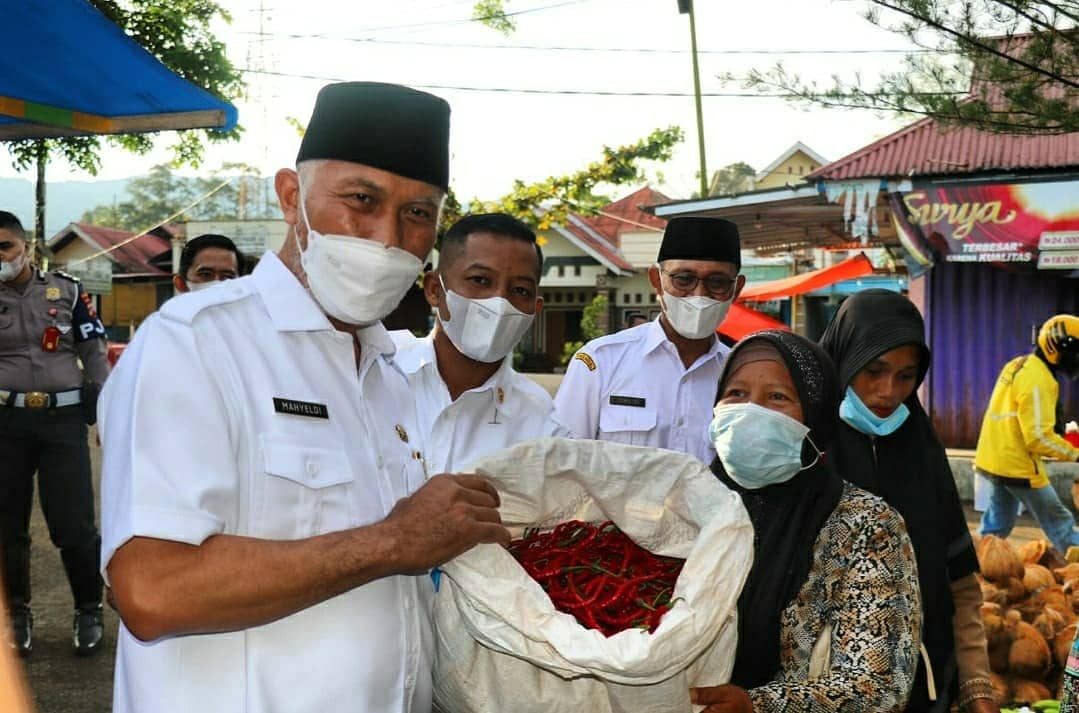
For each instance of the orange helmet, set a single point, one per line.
(1058, 340)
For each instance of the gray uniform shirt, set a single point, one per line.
(26, 313)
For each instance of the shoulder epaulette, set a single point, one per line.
(65, 275)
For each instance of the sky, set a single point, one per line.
(500, 133)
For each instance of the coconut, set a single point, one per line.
(1029, 655)
(1049, 622)
(1068, 571)
(1036, 578)
(1031, 552)
(1062, 644)
(1027, 691)
(998, 560)
(992, 593)
(1014, 591)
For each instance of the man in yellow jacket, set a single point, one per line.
(1018, 433)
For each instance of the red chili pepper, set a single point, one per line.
(596, 573)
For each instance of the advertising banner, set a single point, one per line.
(1022, 225)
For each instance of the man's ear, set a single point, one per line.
(653, 278)
(432, 291)
(180, 284)
(740, 282)
(287, 185)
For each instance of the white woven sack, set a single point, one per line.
(502, 646)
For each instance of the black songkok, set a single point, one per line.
(701, 239)
(385, 126)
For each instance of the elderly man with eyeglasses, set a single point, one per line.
(654, 384)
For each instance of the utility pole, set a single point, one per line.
(685, 7)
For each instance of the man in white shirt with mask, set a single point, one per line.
(268, 530)
(485, 293)
(654, 384)
(205, 261)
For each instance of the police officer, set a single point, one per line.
(205, 261)
(47, 325)
(655, 384)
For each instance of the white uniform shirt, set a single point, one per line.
(631, 387)
(240, 410)
(508, 409)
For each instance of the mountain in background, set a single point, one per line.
(65, 201)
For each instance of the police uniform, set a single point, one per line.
(46, 327)
(240, 410)
(632, 387)
(507, 409)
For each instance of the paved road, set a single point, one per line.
(63, 683)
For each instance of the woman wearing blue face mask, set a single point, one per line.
(887, 446)
(829, 617)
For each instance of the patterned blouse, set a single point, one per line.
(864, 585)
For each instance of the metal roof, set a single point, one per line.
(926, 148)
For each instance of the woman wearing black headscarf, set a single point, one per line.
(887, 446)
(829, 617)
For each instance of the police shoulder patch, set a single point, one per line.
(588, 361)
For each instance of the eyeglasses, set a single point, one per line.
(718, 285)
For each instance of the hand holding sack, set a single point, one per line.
(502, 645)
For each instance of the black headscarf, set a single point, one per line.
(788, 517)
(909, 470)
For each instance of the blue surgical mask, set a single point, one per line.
(758, 446)
(859, 417)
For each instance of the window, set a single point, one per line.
(557, 297)
(625, 298)
(561, 270)
(652, 298)
(637, 298)
(576, 270)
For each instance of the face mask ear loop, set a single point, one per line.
(303, 214)
(816, 460)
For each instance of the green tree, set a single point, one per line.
(151, 199)
(550, 201)
(1009, 66)
(590, 328)
(492, 13)
(732, 179)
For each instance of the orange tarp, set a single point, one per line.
(849, 269)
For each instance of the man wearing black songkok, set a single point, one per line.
(652, 385)
(262, 546)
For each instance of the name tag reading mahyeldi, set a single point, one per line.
(627, 401)
(300, 408)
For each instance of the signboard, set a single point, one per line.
(1025, 225)
(95, 275)
(252, 237)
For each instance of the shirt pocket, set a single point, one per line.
(633, 425)
(306, 490)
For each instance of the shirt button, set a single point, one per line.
(379, 461)
(680, 422)
(410, 681)
(408, 603)
(312, 467)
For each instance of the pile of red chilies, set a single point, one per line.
(599, 575)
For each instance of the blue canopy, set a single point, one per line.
(67, 70)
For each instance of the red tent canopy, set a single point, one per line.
(742, 321)
(849, 269)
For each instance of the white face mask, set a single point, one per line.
(483, 329)
(355, 280)
(758, 446)
(10, 270)
(694, 317)
(199, 286)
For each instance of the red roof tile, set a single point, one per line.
(925, 148)
(598, 242)
(626, 215)
(135, 255)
